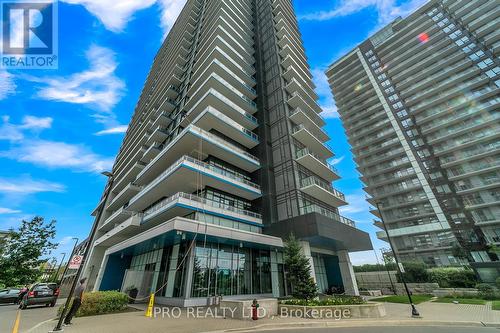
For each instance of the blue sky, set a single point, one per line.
(60, 128)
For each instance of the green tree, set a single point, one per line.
(298, 269)
(22, 256)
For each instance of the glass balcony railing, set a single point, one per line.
(305, 151)
(225, 143)
(203, 165)
(327, 213)
(326, 186)
(201, 201)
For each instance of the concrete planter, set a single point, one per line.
(242, 309)
(336, 312)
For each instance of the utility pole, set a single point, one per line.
(414, 311)
(93, 231)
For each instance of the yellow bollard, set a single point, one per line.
(149, 311)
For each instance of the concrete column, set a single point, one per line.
(174, 256)
(347, 272)
(189, 272)
(275, 274)
(306, 250)
(100, 274)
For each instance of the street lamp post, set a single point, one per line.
(388, 273)
(70, 257)
(414, 311)
(56, 275)
(93, 231)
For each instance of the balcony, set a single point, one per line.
(123, 197)
(294, 86)
(187, 141)
(220, 51)
(220, 102)
(189, 175)
(128, 177)
(217, 82)
(314, 163)
(117, 216)
(302, 134)
(230, 71)
(322, 191)
(296, 101)
(291, 73)
(211, 118)
(163, 120)
(151, 152)
(158, 134)
(181, 204)
(120, 232)
(299, 117)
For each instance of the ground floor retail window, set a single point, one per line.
(230, 270)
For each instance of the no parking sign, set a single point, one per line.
(75, 262)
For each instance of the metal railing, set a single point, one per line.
(201, 201)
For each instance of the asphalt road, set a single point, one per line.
(28, 318)
(405, 329)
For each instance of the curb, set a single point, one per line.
(357, 323)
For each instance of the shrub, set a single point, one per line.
(497, 282)
(486, 291)
(452, 277)
(337, 300)
(101, 302)
(415, 272)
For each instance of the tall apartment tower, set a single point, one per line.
(223, 159)
(419, 101)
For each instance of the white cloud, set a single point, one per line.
(356, 204)
(26, 185)
(364, 257)
(54, 154)
(4, 210)
(15, 132)
(97, 87)
(116, 14)
(325, 95)
(114, 130)
(387, 10)
(335, 161)
(7, 84)
(170, 11)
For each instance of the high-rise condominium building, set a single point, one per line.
(419, 101)
(223, 159)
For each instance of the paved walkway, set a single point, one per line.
(397, 314)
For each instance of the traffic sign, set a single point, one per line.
(75, 262)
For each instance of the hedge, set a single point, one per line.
(453, 277)
(101, 302)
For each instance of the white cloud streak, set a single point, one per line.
(55, 155)
(15, 132)
(4, 210)
(98, 86)
(387, 10)
(115, 15)
(114, 130)
(7, 84)
(25, 185)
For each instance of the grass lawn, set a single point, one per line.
(496, 305)
(417, 299)
(461, 300)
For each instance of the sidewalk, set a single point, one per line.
(434, 314)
